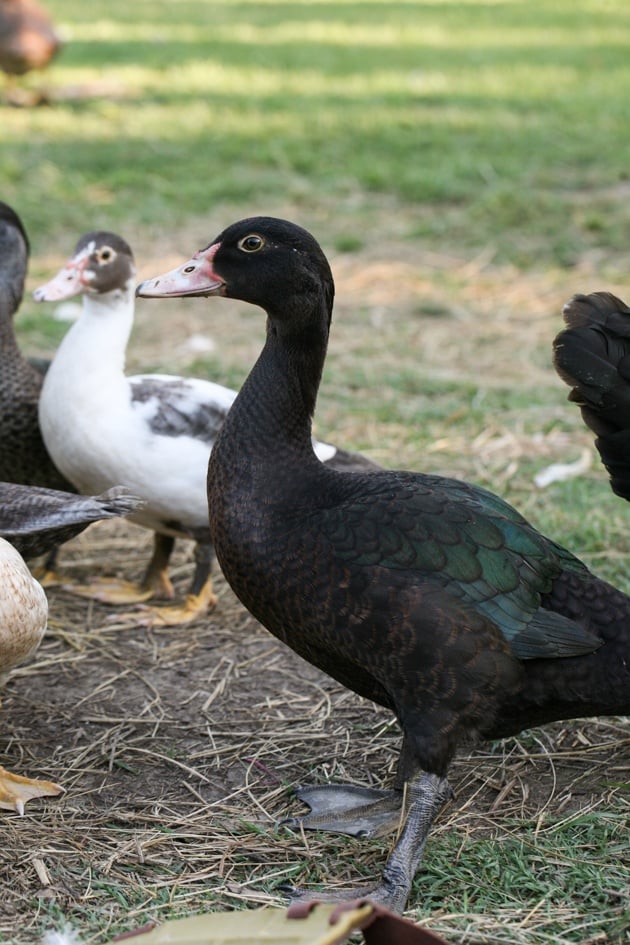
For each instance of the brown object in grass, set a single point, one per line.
(27, 37)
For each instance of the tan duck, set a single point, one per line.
(23, 616)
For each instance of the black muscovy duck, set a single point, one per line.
(592, 355)
(150, 432)
(28, 40)
(23, 455)
(36, 520)
(427, 595)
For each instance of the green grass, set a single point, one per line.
(545, 871)
(485, 117)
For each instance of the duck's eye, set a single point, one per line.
(106, 254)
(251, 243)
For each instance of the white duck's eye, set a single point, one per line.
(105, 255)
(251, 243)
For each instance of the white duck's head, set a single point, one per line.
(102, 263)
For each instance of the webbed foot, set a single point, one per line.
(349, 809)
(155, 583)
(427, 795)
(112, 591)
(16, 791)
(194, 607)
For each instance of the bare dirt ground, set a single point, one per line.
(178, 748)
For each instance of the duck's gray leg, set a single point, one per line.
(427, 794)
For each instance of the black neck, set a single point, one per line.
(280, 393)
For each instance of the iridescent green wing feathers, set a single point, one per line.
(472, 543)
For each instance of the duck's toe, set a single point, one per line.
(16, 791)
(194, 607)
(112, 591)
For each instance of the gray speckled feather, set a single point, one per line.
(172, 406)
(35, 520)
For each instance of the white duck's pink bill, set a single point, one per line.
(66, 284)
(195, 277)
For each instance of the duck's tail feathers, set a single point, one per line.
(592, 355)
(118, 501)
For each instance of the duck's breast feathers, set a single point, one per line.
(181, 407)
(23, 609)
(443, 532)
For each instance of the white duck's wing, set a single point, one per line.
(181, 406)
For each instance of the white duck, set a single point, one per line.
(152, 433)
(23, 616)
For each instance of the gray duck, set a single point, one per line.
(427, 595)
(23, 457)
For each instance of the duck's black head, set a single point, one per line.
(102, 262)
(263, 260)
(14, 253)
